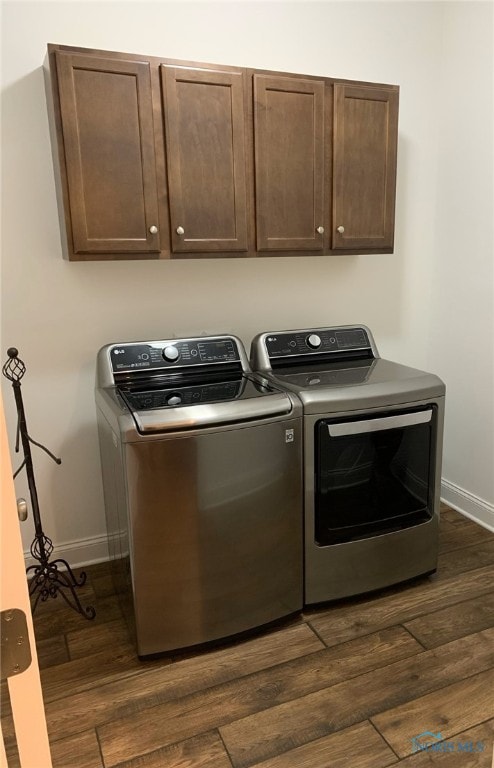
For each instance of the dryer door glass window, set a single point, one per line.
(373, 474)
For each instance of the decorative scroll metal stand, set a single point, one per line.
(47, 580)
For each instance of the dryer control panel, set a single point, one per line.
(314, 346)
(317, 341)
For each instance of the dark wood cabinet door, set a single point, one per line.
(365, 137)
(289, 163)
(108, 137)
(205, 147)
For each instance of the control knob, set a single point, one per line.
(171, 353)
(314, 341)
(174, 399)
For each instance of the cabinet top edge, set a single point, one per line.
(157, 60)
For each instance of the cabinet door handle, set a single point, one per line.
(340, 229)
(153, 229)
(320, 230)
(180, 230)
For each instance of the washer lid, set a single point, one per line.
(356, 385)
(185, 404)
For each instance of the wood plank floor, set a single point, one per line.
(348, 685)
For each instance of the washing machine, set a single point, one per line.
(372, 457)
(202, 475)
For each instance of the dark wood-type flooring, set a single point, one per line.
(345, 686)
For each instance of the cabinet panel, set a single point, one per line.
(364, 167)
(108, 137)
(217, 152)
(289, 162)
(205, 143)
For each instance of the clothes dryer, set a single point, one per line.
(372, 457)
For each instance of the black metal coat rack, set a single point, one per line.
(46, 578)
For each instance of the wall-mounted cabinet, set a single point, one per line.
(289, 163)
(205, 152)
(111, 203)
(156, 158)
(364, 167)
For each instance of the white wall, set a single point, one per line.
(58, 314)
(461, 332)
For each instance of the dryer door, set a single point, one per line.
(374, 474)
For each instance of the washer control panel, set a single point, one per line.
(319, 341)
(156, 355)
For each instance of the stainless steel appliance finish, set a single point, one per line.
(372, 457)
(202, 474)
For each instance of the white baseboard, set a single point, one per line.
(468, 504)
(78, 553)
